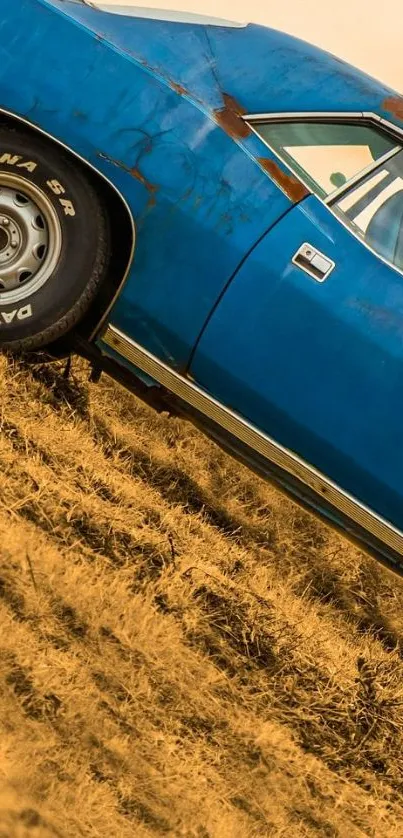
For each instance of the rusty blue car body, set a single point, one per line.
(255, 302)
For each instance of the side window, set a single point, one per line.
(325, 155)
(358, 172)
(373, 209)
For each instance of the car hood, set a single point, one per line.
(242, 69)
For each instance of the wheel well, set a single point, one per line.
(121, 231)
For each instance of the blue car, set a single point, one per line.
(212, 213)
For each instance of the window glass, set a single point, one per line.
(325, 155)
(128, 10)
(356, 169)
(373, 209)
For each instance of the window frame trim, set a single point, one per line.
(324, 116)
(338, 194)
(368, 118)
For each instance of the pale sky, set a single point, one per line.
(368, 34)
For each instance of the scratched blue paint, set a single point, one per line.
(198, 200)
(204, 200)
(260, 67)
(212, 288)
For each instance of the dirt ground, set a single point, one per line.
(183, 651)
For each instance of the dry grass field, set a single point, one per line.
(183, 651)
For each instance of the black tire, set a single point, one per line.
(57, 294)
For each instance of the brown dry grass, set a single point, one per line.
(183, 652)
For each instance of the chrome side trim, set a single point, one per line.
(254, 438)
(386, 123)
(110, 183)
(337, 193)
(308, 116)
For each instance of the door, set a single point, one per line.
(306, 345)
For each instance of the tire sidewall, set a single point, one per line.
(55, 176)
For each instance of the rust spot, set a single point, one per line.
(394, 105)
(230, 118)
(293, 188)
(179, 88)
(134, 172)
(151, 187)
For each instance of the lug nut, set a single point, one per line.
(6, 222)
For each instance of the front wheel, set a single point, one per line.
(54, 242)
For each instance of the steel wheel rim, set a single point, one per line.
(30, 238)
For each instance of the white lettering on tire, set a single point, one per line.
(58, 189)
(18, 161)
(17, 314)
(29, 165)
(68, 207)
(10, 159)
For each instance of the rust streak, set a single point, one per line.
(394, 105)
(179, 88)
(151, 187)
(230, 118)
(293, 188)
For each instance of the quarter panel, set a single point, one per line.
(317, 366)
(199, 200)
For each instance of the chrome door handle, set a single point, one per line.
(313, 262)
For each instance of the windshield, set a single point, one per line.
(158, 14)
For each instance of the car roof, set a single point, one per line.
(253, 68)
